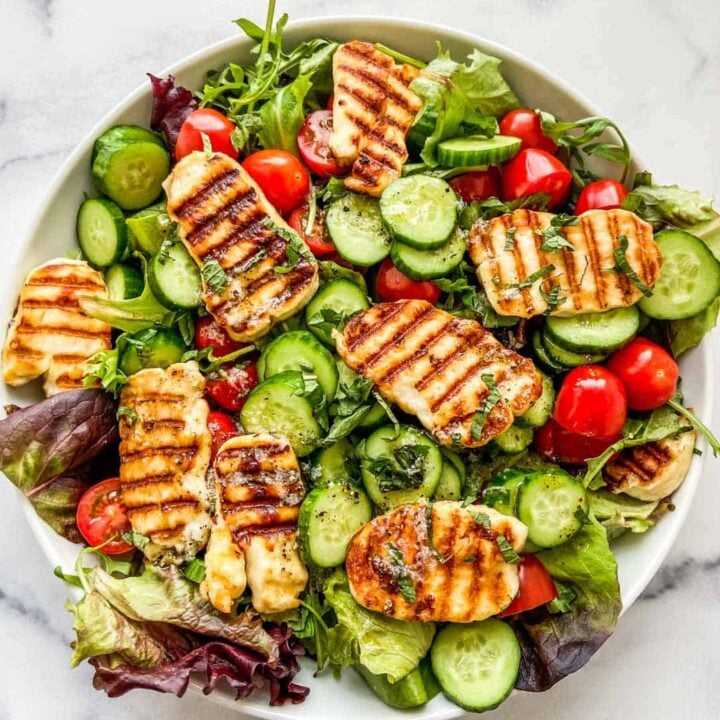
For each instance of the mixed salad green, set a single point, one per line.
(610, 381)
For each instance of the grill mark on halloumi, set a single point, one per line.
(254, 539)
(431, 364)
(474, 581)
(164, 458)
(222, 215)
(50, 335)
(585, 277)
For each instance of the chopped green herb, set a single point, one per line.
(136, 539)
(486, 407)
(566, 596)
(482, 519)
(124, 411)
(195, 570)
(404, 470)
(508, 552)
(214, 276)
(622, 265)
(552, 297)
(531, 279)
(510, 241)
(442, 559)
(401, 573)
(554, 239)
(207, 145)
(291, 260)
(209, 363)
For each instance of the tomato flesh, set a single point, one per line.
(211, 123)
(318, 240)
(526, 125)
(601, 195)
(648, 372)
(209, 333)
(592, 401)
(560, 445)
(230, 387)
(281, 177)
(222, 427)
(536, 587)
(314, 144)
(101, 515)
(477, 185)
(392, 285)
(534, 171)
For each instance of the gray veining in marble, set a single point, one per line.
(652, 65)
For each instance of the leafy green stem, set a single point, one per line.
(697, 424)
(400, 57)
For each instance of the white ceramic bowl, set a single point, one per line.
(53, 234)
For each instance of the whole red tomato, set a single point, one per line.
(536, 587)
(592, 401)
(533, 171)
(318, 240)
(477, 185)
(314, 143)
(281, 176)
(222, 427)
(209, 333)
(560, 445)
(205, 121)
(648, 372)
(526, 125)
(601, 195)
(101, 516)
(391, 285)
(230, 387)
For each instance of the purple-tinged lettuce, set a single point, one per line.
(171, 105)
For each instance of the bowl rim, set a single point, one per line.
(340, 22)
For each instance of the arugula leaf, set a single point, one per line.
(209, 363)
(676, 404)
(401, 573)
(283, 114)
(486, 407)
(214, 276)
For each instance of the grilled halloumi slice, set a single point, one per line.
(223, 215)
(653, 471)
(440, 368)
(50, 335)
(254, 540)
(461, 576)
(164, 459)
(522, 280)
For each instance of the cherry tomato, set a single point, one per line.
(526, 125)
(601, 195)
(314, 143)
(477, 185)
(101, 515)
(648, 372)
(209, 333)
(318, 240)
(592, 401)
(222, 427)
(281, 176)
(205, 121)
(532, 171)
(536, 587)
(330, 102)
(560, 445)
(230, 387)
(391, 285)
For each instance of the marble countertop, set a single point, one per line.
(652, 65)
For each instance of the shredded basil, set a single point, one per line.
(401, 573)
(214, 276)
(486, 407)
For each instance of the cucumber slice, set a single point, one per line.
(151, 348)
(553, 505)
(278, 407)
(341, 296)
(101, 231)
(429, 264)
(381, 449)
(450, 485)
(502, 490)
(595, 332)
(554, 368)
(175, 279)
(131, 173)
(375, 417)
(417, 688)
(420, 211)
(356, 227)
(539, 412)
(689, 279)
(477, 150)
(457, 462)
(329, 516)
(122, 135)
(568, 358)
(296, 350)
(476, 664)
(149, 228)
(123, 282)
(332, 464)
(514, 440)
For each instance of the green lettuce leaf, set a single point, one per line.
(709, 233)
(688, 333)
(283, 115)
(554, 646)
(385, 646)
(617, 513)
(659, 204)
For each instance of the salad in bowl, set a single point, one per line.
(358, 358)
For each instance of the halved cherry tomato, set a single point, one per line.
(648, 372)
(209, 333)
(532, 171)
(477, 185)
(536, 587)
(101, 516)
(314, 143)
(229, 388)
(281, 176)
(391, 285)
(560, 445)
(592, 401)
(601, 195)
(526, 125)
(318, 240)
(222, 427)
(205, 121)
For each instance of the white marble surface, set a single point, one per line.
(653, 66)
